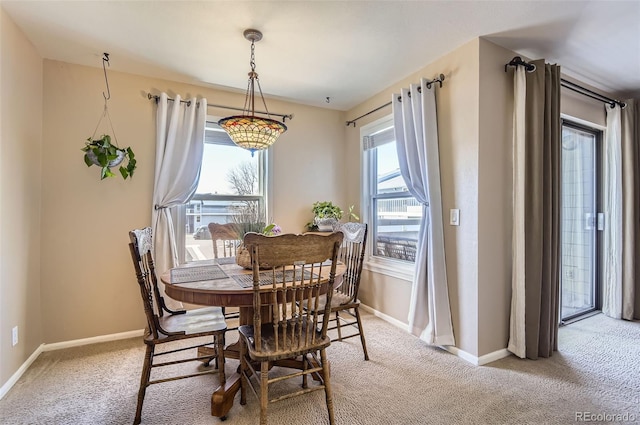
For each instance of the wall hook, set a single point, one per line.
(105, 58)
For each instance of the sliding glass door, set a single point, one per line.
(579, 220)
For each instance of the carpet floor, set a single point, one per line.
(595, 375)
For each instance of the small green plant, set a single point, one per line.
(102, 153)
(326, 209)
(353, 216)
(326, 216)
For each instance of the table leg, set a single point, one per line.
(222, 398)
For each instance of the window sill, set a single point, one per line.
(397, 269)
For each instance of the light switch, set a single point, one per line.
(454, 217)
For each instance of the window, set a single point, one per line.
(232, 185)
(392, 213)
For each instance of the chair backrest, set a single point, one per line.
(352, 255)
(140, 247)
(225, 236)
(290, 273)
(141, 254)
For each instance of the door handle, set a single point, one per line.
(589, 221)
(600, 221)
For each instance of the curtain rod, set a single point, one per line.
(211, 105)
(439, 80)
(586, 92)
(530, 67)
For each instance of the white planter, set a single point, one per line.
(113, 163)
(326, 224)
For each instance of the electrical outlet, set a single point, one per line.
(14, 336)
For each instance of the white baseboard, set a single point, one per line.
(59, 345)
(492, 357)
(386, 318)
(21, 370)
(477, 361)
(92, 340)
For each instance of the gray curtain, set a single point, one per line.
(631, 210)
(540, 279)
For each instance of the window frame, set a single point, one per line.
(599, 134)
(264, 183)
(392, 267)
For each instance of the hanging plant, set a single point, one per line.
(102, 153)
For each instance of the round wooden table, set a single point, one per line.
(232, 290)
(223, 292)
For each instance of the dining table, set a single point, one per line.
(223, 283)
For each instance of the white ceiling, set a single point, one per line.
(345, 50)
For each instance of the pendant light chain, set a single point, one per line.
(249, 100)
(252, 62)
(249, 131)
(253, 69)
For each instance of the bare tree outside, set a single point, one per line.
(249, 215)
(243, 179)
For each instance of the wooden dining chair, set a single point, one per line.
(226, 239)
(168, 328)
(345, 298)
(289, 272)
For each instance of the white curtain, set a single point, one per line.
(517, 342)
(416, 131)
(179, 146)
(612, 267)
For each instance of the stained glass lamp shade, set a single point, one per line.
(249, 131)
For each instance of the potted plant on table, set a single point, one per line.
(249, 218)
(105, 155)
(326, 215)
(243, 257)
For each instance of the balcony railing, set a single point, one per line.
(396, 247)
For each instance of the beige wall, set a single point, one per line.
(457, 103)
(20, 176)
(494, 201)
(87, 277)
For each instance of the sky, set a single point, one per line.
(216, 162)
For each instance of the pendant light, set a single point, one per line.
(247, 130)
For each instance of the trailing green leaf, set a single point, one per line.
(102, 153)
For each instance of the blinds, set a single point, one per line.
(214, 134)
(379, 138)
